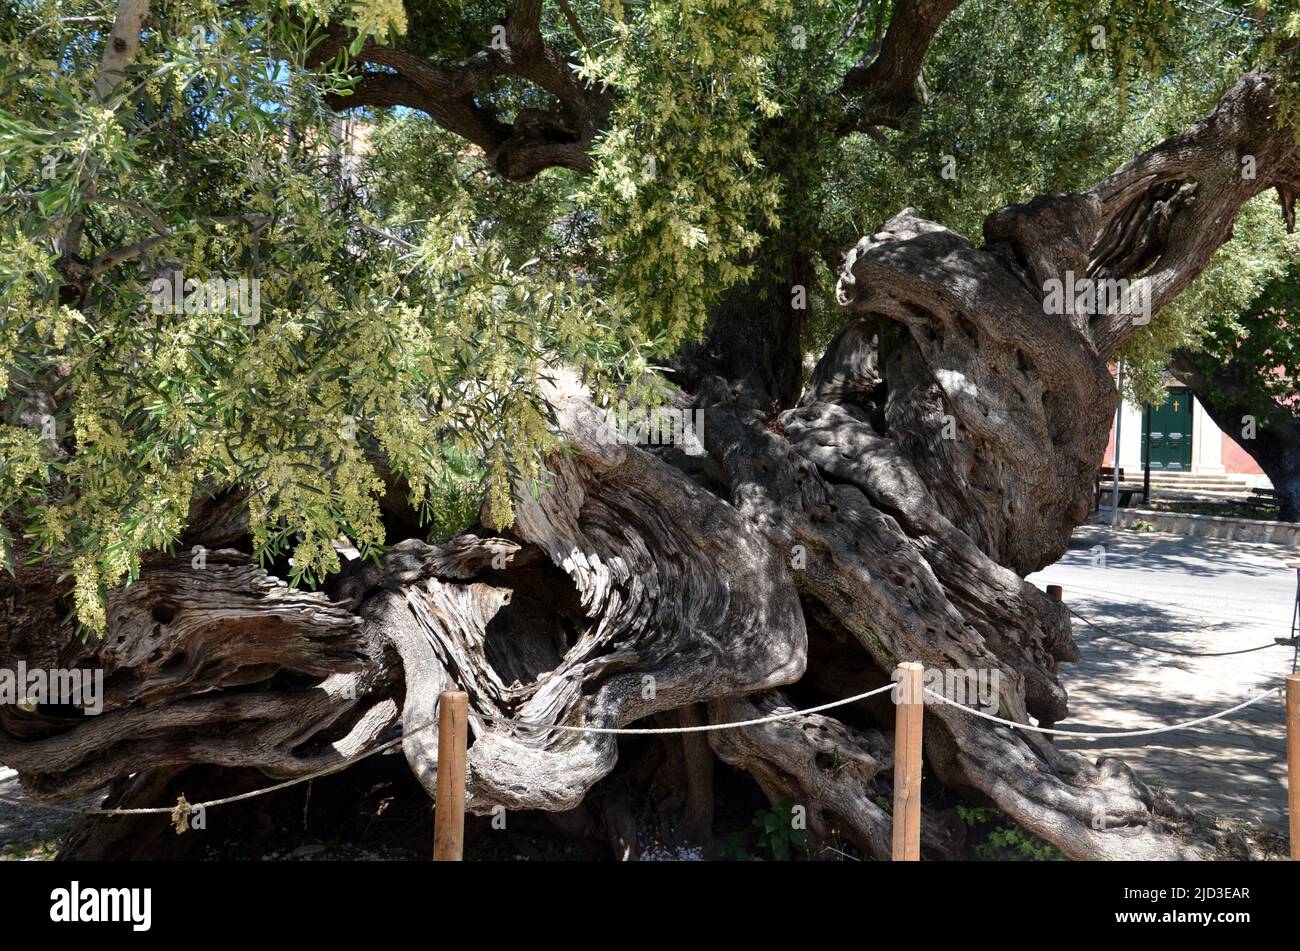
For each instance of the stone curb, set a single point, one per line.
(1211, 526)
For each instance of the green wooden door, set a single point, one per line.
(1171, 432)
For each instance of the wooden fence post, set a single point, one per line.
(1293, 760)
(449, 808)
(907, 762)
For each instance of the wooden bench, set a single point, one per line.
(1106, 484)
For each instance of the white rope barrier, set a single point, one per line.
(706, 728)
(170, 810)
(1106, 735)
(634, 731)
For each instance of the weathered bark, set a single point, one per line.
(943, 450)
(217, 664)
(675, 600)
(1158, 218)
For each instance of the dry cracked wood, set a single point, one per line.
(653, 595)
(215, 664)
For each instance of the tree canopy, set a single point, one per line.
(577, 183)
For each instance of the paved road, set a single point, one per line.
(1191, 595)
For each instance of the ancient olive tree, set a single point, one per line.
(230, 328)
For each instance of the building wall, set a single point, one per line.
(1130, 438)
(1207, 443)
(1237, 459)
(1213, 451)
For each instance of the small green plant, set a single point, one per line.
(1004, 840)
(43, 851)
(456, 503)
(775, 837)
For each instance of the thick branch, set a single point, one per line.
(885, 88)
(534, 140)
(119, 51)
(1158, 220)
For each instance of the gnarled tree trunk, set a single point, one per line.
(944, 449)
